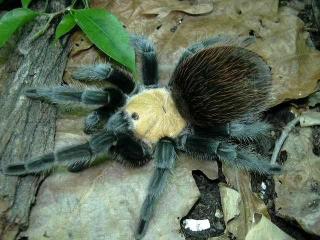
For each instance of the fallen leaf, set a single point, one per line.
(314, 99)
(264, 229)
(298, 189)
(230, 200)
(309, 118)
(79, 43)
(249, 203)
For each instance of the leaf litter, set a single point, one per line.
(104, 200)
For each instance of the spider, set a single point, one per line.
(210, 110)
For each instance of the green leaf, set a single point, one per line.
(25, 3)
(66, 24)
(12, 20)
(107, 33)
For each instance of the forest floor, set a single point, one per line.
(104, 200)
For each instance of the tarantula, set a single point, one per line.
(208, 110)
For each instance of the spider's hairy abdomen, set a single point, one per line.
(154, 115)
(221, 84)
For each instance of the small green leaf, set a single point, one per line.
(66, 24)
(107, 33)
(12, 20)
(25, 3)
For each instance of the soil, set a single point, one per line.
(207, 207)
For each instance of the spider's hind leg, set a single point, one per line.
(258, 133)
(228, 153)
(251, 131)
(238, 130)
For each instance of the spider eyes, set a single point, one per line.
(135, 116)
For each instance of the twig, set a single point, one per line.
(86, 4)
(73, 3)
(45, 28)
(283, 137)
(46, 6)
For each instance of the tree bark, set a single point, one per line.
(27, 128)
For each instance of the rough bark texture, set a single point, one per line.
(27, 127)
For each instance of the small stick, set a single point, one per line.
(45, 28)
(283, 137)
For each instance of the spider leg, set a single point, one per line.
(220, 40)
(117, 125)
(258, 132)
(64, 94)
(68, 156)
(149, 61)
(95, 121)
(228, 153)
(255, 132)
(250, 131)
(130, 151)
(121, 78)
(238, 130)
(165, 157)
(105, 72)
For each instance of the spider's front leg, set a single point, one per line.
(105, 72)
(68, 95)
(149, 62)
(165, 157)
(228, 153)
(95, 121)
(68, 156)
(110, 99)
(122, 79)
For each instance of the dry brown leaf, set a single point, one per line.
(264, 229)
(314, 99)
(230, 200)
(79, 43)
(309, 118)
(298, 191)
(250, 203)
